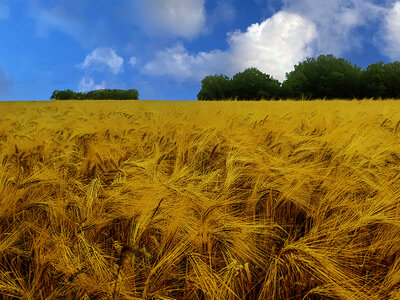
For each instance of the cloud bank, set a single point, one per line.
(273, 46)
(391, 32)
(337, 21)
(179, 64)
(302, 28)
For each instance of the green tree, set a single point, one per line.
(324, 77)
(392, 71)
(92, 95)
(103, 94)
(54, 96)
(106, 94)
(373, 81)
(132, 94)
(381, 80)
(63, 95)
(215, 87)
(81, 96)
(252, 84)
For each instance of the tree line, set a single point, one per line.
(106, 94)
(326, 77)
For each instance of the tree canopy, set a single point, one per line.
(253, 84)
(215, 87)
(325, 77)
(381, 80)
(103, 94)
(249, 84)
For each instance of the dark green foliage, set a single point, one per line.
(392, 71)
(63, 95)
(248, 85)
(252, 84)
(381, 80)
(80, 96)
(324, 77)
(216, 87)
(103, 94)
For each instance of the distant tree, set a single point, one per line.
(93, 95)
(215, 87)
(103, 94)
(252, 84)
(381, 80)
(119, 94)
(81, 96)
(132, 94)
(54, 96)
(373, 81)
(392, 71)
(63, 95)
(324, 77)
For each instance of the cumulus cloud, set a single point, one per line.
(4, 12)
(103, 57)
(178, 63)
(273, 46)
(87, 84)
(183, 18)
(337, 21)
(391, 32)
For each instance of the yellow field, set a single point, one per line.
(200, 200)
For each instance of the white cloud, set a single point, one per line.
(4, 12)
(178, 63)
(103, 57)
(184, 18)
(391, 32)
(274, 47)
(132, 61)
(88, 84)
(337, 21)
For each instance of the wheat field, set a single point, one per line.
(200, 200)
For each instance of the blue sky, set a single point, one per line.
(163, 48)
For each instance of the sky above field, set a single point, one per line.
(164, 48)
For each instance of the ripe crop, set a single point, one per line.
(200, 200)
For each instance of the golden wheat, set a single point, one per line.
(200, 200)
